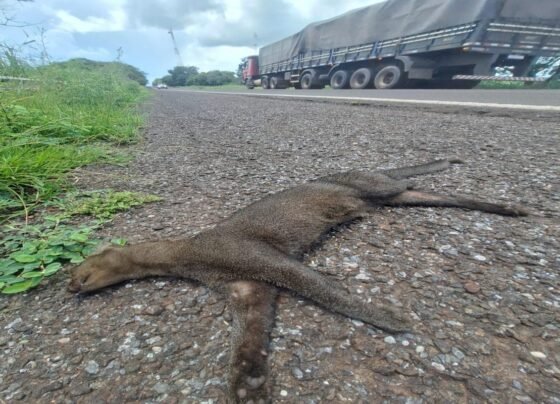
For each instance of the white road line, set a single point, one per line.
(392, 100)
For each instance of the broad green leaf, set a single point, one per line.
(18, 287)
(79, 237)
(119, 241)
(2, 285)
(52, 268)
(35, 281)
(33, 274)
(24, 258)
(9, 279)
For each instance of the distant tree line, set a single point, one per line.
(190, 76)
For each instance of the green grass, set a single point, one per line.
(66, 117)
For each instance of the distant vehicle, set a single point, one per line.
(412, 43)
(161, 86)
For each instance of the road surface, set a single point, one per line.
(539, 100)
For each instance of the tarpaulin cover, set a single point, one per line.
(393, 19)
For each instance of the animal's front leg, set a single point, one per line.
(252, 305)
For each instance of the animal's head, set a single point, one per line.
(106, 267)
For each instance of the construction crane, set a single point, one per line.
(179, 58)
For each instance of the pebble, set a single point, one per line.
(538, 355)
(283, 393)
(438, 366)
(297, 373)
(92, 367)
(390, 340)
(161, 388)
(472, 287)
(479, 257)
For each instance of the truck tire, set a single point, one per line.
(361, 78)
(339, 80)
(389, 76)
(265, 84)
(306, 81)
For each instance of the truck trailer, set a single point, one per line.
(412, 43)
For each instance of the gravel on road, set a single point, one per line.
(482, 289)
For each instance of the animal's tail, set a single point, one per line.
(421, 169)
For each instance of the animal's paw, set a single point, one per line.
(516, 211)
(392, 320)
(252, 390)
(248, 382)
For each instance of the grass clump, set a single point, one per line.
(104, 205)
(68, 115)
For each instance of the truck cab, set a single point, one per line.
(249, 71)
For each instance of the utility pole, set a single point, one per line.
(177, 53)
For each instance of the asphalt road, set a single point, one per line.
(541, 100)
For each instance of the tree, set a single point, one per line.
(179, 75)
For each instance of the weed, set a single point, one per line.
(34, 252)
(104, 205)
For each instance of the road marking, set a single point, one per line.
(392, 100)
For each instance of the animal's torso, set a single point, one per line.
(294, 219)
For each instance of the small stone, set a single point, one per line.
(161, 388)
(438, 366)
(457, 353)
(479, 257)
(64, 340)
(537, 354)
(153, 310)
(472, 287)
(419, 349)
(92, 367)
(390, 340)
(517, 385)
(283, 393)
(297, 373)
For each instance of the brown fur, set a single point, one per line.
(260, 247)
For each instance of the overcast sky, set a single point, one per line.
(211, 34)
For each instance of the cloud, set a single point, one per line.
(167, 14)
(116, 21)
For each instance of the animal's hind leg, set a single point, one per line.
(252, 305)
(428, 199)
(263, 262)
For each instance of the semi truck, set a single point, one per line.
(412, 43)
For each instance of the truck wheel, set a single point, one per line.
(265, 84)
(361, 78)
(273, 83)
(306, 81)
(389, 76)
(339, 80)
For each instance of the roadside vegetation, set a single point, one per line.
(59, 117)
(181, 76)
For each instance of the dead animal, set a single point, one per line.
(260, 247)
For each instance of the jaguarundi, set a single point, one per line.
(260, 247)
